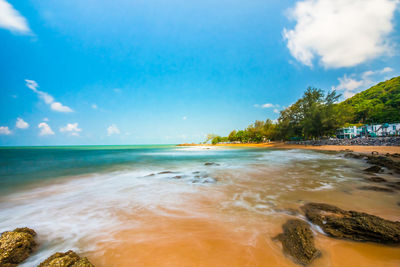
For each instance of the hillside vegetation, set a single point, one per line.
(317, 114)
(378, 104)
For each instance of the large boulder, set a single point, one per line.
(16, 246)
(298, 241)
(352, 225)
(67, 259)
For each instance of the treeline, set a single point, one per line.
(314, 115)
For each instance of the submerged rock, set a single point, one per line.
(376, 189)
(211, 164)
(67, 259)
(354, 155)
(374, 168)
(16, 246)
(375, 179)
(166, 172)
(298, 241)
(353, 225)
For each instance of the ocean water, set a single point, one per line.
(161, 205)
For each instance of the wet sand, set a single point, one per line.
(234, 225)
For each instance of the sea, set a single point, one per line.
(167, 205)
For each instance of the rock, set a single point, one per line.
(211, 164)
(376, 189)
(395, 185)
(375, 179)
(375, 153)
(374, 168)
(354, 155)
(166, 172)
(16, 246)
(298, 241)
(177, 177)
(384, 161)
(353, 225)
(67, 259)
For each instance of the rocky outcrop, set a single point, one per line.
(298, 241)
(16, 246)
(389, 162)
(353, 225)
(67, 259)
(375, 141)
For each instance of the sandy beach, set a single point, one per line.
(281, 145)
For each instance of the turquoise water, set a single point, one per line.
(21, 166)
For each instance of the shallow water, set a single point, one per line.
(160, 205)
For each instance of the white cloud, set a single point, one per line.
(386, 70)
(112, 129)
(57, 106)
(21, 124)
(117, 90)
(12, 20)
(350, 85)
(276, 110)
(94, 106)
(266, 105)
(184, 118)
(48, 99)
(45, 119)
(45, 129)
(341, 33)
(4, 130)
(71, 128)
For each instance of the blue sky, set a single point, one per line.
(145, 72)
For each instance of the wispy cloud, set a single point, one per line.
(341, 33)
(21, 124)
(112, 129)
(94, 106)
(12, 20)
(350, 85)
(45, 129)
(4, 130)
(184, 118)
(266, 105)
(47, 98)
(71, 128)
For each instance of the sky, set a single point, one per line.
(166, 72)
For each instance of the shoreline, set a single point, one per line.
(281, 145)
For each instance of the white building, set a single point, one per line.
(373, 130)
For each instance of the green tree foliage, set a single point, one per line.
(312, 116)
(378, 104)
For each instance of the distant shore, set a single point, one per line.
(281, 145)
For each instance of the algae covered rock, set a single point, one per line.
(67, 259)
(298, 241)
(16, 246)
(353, 225)
(374, 168)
